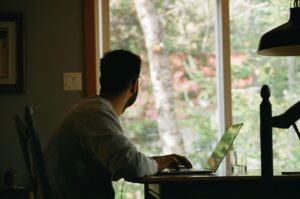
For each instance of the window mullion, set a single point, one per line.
(223, 71)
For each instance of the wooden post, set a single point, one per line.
(266, 142)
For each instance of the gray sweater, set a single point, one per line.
(89, 149)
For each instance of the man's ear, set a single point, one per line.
(134, 86)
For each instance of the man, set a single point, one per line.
(89, 148)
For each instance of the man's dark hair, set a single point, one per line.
(118, 69)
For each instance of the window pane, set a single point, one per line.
(188, 44)
(249, 20)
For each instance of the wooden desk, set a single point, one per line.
(211, 186)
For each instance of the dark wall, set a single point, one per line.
(53, 44)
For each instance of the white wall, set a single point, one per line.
(53, 44)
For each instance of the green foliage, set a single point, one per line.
(188, 27)
(144, 133)
(124, 189)
(125, 30)
(273, 71)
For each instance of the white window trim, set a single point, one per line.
(104, 32)
(222, 40)
(104, 29)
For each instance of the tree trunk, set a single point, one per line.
(161, 78)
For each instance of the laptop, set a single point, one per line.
(216, 157)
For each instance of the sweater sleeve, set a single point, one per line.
(103, 137)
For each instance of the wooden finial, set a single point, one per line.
(265, 92)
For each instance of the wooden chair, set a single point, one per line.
(32, 152)
(267, 122)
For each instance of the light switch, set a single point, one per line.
(72, 81)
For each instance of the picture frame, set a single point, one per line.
(11, 53)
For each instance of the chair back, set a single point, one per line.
(35, 164)
(24, 140)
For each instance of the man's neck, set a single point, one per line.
(117, 103)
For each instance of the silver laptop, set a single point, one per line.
(216, 156)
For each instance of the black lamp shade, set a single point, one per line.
(283, 40)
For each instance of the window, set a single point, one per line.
(209, 62)
(186, 52)
(184, 48)
(248, 21)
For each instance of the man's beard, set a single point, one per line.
(131, 100)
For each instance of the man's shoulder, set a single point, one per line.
(94, 107)
(91, 103)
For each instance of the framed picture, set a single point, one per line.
(11, 53)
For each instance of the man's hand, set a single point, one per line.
(172, 161)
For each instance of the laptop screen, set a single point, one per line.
(222, 147)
